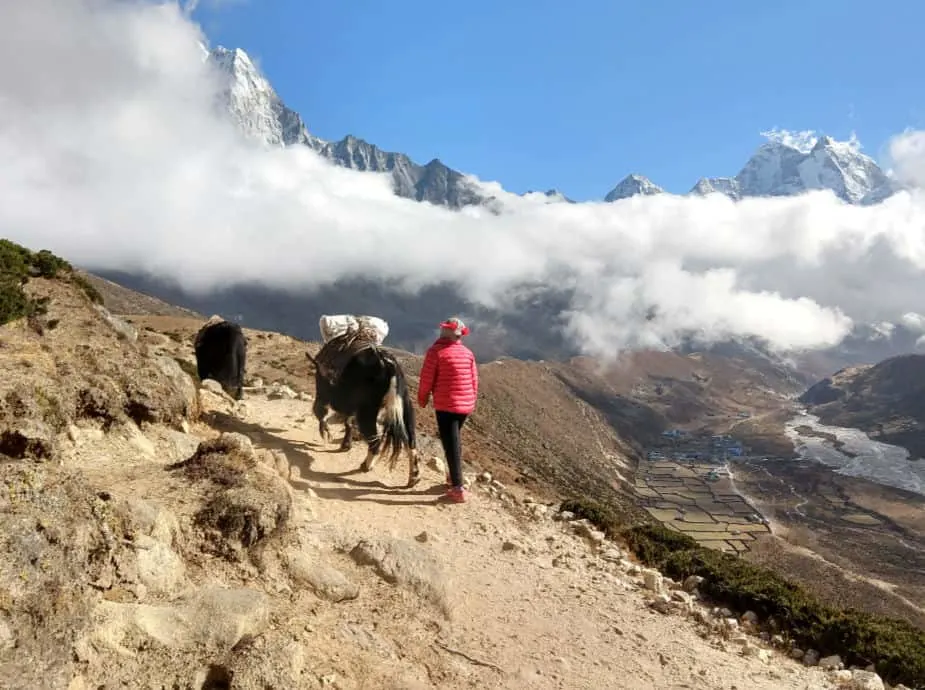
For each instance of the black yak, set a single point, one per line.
(371, 381)
(221, 353)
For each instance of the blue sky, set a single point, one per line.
(576, 95)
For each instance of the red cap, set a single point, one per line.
(455, 324)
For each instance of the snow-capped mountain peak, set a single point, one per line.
(633, 185)
(788, 163)
(254, 104)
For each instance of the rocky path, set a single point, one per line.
(483, 598)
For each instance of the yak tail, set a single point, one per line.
(395, 434)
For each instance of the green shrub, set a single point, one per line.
(47, 265)
(596, 513)
(896, 647)
(88, 288)
(17, 265)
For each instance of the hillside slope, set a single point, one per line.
(886, 400)
(156, 535)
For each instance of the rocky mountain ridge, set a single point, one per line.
(884, 400)
(780, 167)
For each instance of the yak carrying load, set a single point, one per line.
(345, 335)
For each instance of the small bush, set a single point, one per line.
(17, 265)
(88, 288)
(896, 647)
(47, 265)
(597, 514)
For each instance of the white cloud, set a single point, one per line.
(913, 321)
(907, 156)
(114, 156)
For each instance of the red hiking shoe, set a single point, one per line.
(455, 494)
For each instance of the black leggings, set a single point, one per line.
(450, 424)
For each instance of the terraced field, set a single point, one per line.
(679, 495)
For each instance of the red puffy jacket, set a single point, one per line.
(450, 373)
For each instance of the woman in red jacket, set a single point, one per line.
(449, 373)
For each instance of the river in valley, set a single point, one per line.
(856, 455)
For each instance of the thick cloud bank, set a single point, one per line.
(115, 156)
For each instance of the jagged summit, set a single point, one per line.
(789, 166)
(633, 185)
(786, 164)
(721, 185)
(261, 114)
(254, 104)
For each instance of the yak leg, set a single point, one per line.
(366, 420)
(347, 443)
(414, 467)
(320, 410)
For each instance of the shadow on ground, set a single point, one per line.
(372, 490)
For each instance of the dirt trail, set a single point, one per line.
(527, 604)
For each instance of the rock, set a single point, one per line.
(404, 563)
(279, 391)
(213, 386)
(797, 653)
(612, 554)
(692, 583)
(485, 477)
(831, 663)
(270, 661)
(662, 603)
(124, 330)
(152, 519)
(423, 537)
(211, 617)
(811, 658)
(586, 529)
(565, 516)
(7, 639)
(160, 569)
(305, 397)
(683, 598)
(498, 486)
(842, 677)
(538, 510)
(325, 581)
(436, 464)
(511, 546)
(182, 443)
(866, 680)
(276, 460)
(652, 580)
(749, 618)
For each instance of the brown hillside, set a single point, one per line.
(156, 534)
(121, 300)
